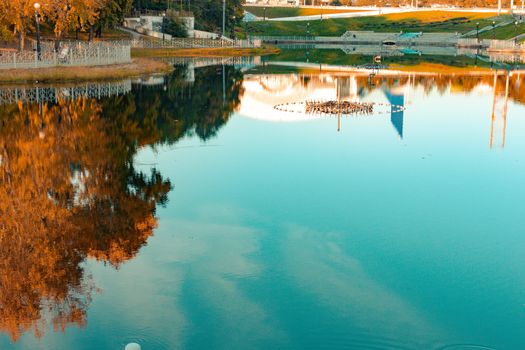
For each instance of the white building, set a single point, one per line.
(151, 25)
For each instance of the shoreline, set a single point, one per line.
(138, 67)
(143, 63)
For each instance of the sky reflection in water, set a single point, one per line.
(279, 231)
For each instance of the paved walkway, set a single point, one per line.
(133, 33)
(519, 37)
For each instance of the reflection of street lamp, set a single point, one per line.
(37, 19)
(494, 29)
(477, 31)
(163, 27)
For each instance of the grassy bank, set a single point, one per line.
(504, 32)
(421, 21)
(138, 67)
(204, 52)
(279, 12)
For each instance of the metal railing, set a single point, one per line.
(506, 45)
(298, 38)
(71, 53)
(489, 44)
(160, 13)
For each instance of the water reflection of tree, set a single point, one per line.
(177, 108)
(69, 190)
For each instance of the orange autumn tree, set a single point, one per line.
(68, 191)
(75, 15)
(17, 17)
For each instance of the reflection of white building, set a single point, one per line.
(263, 92)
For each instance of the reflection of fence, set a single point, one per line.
(69, 54)
(506, 57)
(53, 94)
(187, 43)
(197, 62)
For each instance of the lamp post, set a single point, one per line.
(307, 29)
(477, 31)
(515, 32)
(264, 14)
(224, 18)
(233, 28)
(37, 19)
(494, 29)
(163, 27)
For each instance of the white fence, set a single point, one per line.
(505, 45)
(69, 54)
(190, 43)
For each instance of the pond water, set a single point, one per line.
(186, 212)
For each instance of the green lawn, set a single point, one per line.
(279, 12)
(505, 32)
(424, 21)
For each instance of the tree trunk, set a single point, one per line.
(90, 32)
(21, 41)
(99, 32)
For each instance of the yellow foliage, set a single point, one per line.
(437, 16)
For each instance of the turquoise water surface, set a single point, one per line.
(278, 231)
